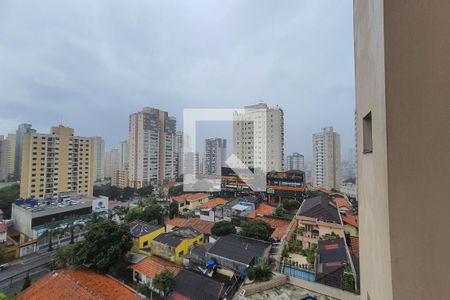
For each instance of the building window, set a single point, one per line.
(181, 253)
(145, 244)
(367, 133)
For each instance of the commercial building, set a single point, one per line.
(296, 161)
(326, 166)
(152, 155)
(99, 158)
(55, 163)
(32, 217)
(215, 156)
(112, 162)
(21, 131)
(4, 165)
(402, 105)
(258, 137)
(285, 185)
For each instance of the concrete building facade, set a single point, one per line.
(4, 165)
(56, 162)
(99, 158)
(402, 103)
(296, 161)
(151, 141)
(215, 156)
(112, 162)
(326, 164)
(11, 154)
(123, 150)
(21, 131)
(258, 137)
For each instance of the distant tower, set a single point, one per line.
(326, 167)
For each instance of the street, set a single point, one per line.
(35, 265)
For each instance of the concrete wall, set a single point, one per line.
(402, 77)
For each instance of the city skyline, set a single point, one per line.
(99, 81)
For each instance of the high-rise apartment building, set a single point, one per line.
(152, 153)
(112, 162)
(179, 152)
(326, 165)
(4, 166)
(123, 152)
(215, 156)
(402, 103)
(99, 158)
(296, 161)
(21, 131)
(11, 154)
(56, 162)
(258, 137)
(119, 177)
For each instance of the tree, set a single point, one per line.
(279, 211)
(164, 281)
(173, 210)
(64, 257)
(176, 190)
(115, 192)
(256, 229)
(106, 244)
(8, 195)
(145, 191)
(223, 228)
(152, 213)
(2, 253)
(348, 280)
(3, 297)
(49, 231)
(291, 204)
(262, 272)
(312, 194)
(133, 214)
(26, 282)
(295, 245)
(310, 254)
(127, 193)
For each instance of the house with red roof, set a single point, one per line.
(77, 284)
(188, 203)
(207, 209)
(349, 220)
(145, 271)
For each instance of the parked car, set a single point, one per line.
(4, 266)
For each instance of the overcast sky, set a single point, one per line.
(92, 63)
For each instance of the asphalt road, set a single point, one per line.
(34, 265)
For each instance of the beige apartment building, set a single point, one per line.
(151, 147)
(120, 177)
(56, 162)
(402, 55)
(258, 137)
(11, 154)
(326, 164)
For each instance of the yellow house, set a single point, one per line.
(190, 202)
(144, 233)
(174, 245)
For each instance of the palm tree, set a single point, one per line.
(50, 228)
(71, 227)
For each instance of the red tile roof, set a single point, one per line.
(214, 203)
(190, 197)
(200, 225)
(350, 219)
(354, 245)
(77, 284)
(263, 209)
(3, 228)
(341, 202)
(152, 265)
(280, 226)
